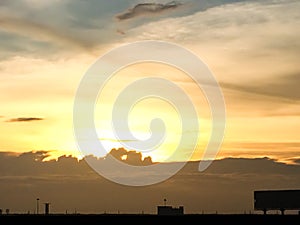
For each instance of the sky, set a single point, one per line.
(251, 47)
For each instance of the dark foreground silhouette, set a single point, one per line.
(277, 200)
(149, 219)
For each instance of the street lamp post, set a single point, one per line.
(37, 206)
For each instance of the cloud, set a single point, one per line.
(147, 9)
(84, 26)
(35, 163)
(40, 32)
(279, 151)
(26, 28)
(25, 119)
(130, 157)
(296, 160)
(285, 87)
(251, 47)
(227, 24)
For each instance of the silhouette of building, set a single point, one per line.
(277, 200)
(169, 210)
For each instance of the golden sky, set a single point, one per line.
(252, 48)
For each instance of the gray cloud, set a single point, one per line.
(58, 28)
(24, 119)
(40, 32)
(285, 87)
(281, 151)
(297, 161)
(54, 28)
(147, 9)
(132, 157)
(13, 44)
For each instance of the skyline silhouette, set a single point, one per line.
(226, 186)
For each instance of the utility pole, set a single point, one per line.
(37, 205)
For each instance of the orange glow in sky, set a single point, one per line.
(257, 67)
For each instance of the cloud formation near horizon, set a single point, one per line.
(146, 9)
(24, 119)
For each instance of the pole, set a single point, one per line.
(37, 206)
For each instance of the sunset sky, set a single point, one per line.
(252, 48)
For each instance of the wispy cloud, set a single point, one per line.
(25, 119)
(285, 87)
(40, 32)
(147, 9)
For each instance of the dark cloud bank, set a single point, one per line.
(226, 186)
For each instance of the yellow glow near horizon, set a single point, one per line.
(147, 109)
(41, 96)
(256, 62)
